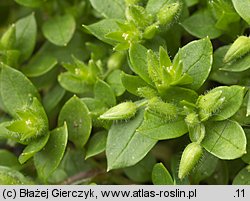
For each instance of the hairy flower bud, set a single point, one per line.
(190, 156)
(239, 48)
(209, 103)
(168, 13)
(121, 111)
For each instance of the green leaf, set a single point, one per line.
(96, 144)
(205, 167)
(153, 6)
(225, 14)
(47, 160)
(243, 177)
(233, 99)
(7, 134)
(132, 83)
(220, 175)
(158, 128)
(138, 60)
(125, 146)
(104, 93)
(60, 29)
(110, 8)
(32, 148)
(72, 83)
(239, 65)
(39, 64)
(8, 159)
(10, 57)
(225, 77)
(242, 7)
(26, 31)
(95, 106)
(101, 28)
(115, 82)
(141, 172)
(9, 176)
(225, 139)
(177, 94)
(239, 48)
(76, 114)
(197, 58)
(246, 157)
(8, 39)
(31, 3)
(161, 176)
(16, 90)
(202, 24)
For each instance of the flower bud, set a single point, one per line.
(190, 156)
(121, 111)
(209, 103)
(168, 13)
(192, 119)
(166, 110)
(146, 92)
(150, 31)
(239, 48)
(32, 122)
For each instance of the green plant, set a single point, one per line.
(125, 91)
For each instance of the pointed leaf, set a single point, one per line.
(243, 177)
(139, 63)
(125, 146)
(32, 148)
(96, 144)
(242, 7)
(164, 58)
(39, 65)
(115, 82)
(60, 29)
(132, 83)
(102, 28)
(201, 24)
(104, 93)
(233, 100)
(47, 160)
(26, 30)
(16, 89)
(76, 114)
(72, 83)
(161, 176)
(110, 8)
(197, 58)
